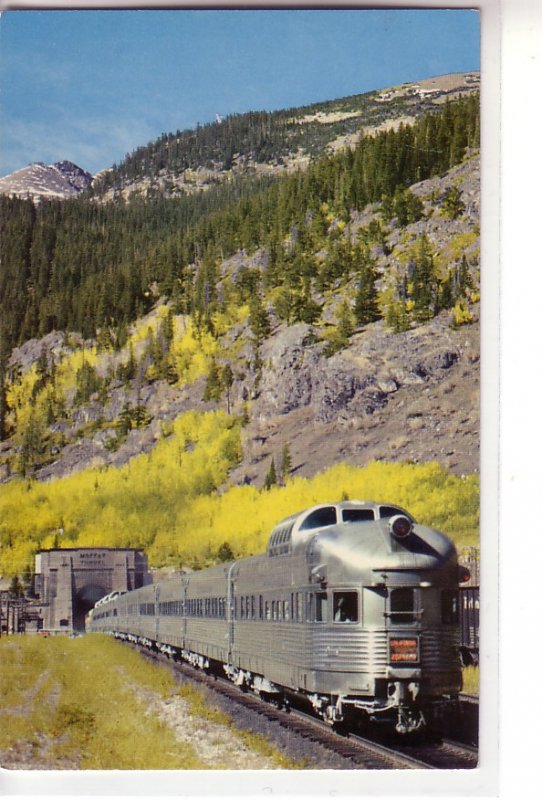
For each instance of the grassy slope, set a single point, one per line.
(83, 703)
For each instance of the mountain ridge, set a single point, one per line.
(330, 125)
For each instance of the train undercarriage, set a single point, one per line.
(399, 706)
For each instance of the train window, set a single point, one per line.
(391, 511)
(320, 518)
(357, 514)
(450, 607)
(242, 607)
(321, 606)
(286, 610)
(402, 606)
(299, 610)
(309, 613)
(267, 609)
(261, 607)
(345, 607)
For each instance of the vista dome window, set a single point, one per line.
(391, 511)
(320, 518)
(358, 514)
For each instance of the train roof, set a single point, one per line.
(296, 529)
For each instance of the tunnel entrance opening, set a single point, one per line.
(85, 599)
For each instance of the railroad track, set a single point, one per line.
(356, 751)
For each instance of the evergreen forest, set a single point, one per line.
(81, 265)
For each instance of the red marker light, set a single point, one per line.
(463, 574)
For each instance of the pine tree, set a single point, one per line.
(345, 323)
(226, 380)
(452, 205)
(286, 463)
(33, 444)
(213, 387)
(271, 477)
(87, 383)
(366, 307)
(424, 280)
(125, 421)
(397, 317)
(4, 407)
(225, 553)
(258, 319)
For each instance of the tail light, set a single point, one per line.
(463, 574)
(404, 650)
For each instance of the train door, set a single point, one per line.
(184, 619)
(157, 615)
(403, 614)
(230, 610)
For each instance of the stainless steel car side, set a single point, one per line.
(354, 606)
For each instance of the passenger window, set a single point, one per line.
(450, 607)
(320, 518)
(402, 606)
(358, 514)
(345, 607)
(309, 607)
(321, 607)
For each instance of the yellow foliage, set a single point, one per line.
(126, 507)
(192, 351)
(462, 315)
(166, 501)
(140, 329)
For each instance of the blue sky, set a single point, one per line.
(91, 86)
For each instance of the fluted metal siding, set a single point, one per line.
(439, 649)
(349, 650)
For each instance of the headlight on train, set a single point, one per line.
(400, 526)
(403, 651)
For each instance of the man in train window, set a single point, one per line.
(345, 606)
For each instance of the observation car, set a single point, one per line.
(353, 606)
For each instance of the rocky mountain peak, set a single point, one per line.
(38, 181)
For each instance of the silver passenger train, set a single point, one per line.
(354, 606)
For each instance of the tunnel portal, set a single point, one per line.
(69, 581)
